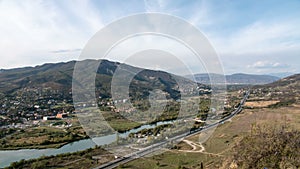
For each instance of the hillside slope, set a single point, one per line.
(286, 90)
(57, 77)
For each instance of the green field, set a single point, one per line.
(41, 137)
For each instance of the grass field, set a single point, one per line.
(41, 137)
(259, 104)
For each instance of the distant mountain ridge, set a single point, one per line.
(282, 74)
(239, 78)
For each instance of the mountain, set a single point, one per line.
(282, 74)
(286, 84)
(239, 78)
(57, 78)
(286, 90)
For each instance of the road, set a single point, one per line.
(155, 147)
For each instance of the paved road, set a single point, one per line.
(158, 146)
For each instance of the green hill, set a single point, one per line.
(58, 77)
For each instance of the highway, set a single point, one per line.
(155, 147)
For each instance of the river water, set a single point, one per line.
(9, 156)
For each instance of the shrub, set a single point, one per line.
(270, 147)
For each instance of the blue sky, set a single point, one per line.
(250, 36)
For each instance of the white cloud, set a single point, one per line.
(261, 40)
(156, 5)
(260, 37)
(237, 41)
(30, 30)
(267, 65)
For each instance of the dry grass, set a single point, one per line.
(184, 146)
(260, 104)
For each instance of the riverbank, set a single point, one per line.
(37, 147)
(82, 159)
(41, 147)
(50, 137)
(9, 156)
(41, 138)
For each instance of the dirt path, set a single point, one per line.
(197, 148)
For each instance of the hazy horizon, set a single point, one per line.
(277, 74)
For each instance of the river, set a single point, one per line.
(9, 156)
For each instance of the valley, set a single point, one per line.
(41, 115)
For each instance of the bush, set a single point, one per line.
(270, 147)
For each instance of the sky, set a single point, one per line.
(250, 36)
